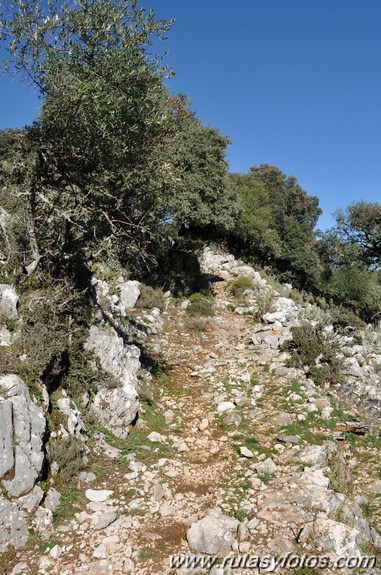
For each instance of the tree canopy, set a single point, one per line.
(116, 163)
(116, 166)
(359, 226)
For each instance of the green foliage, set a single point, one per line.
(71, 502)
(202, 202)
(255, 229)
(10, 324)
(357, 288)
(239, 514)
(69, 454)
(52, 333)
(360, 225)
(150, 297)
(275, 224)
(345, 320)
(9, 139)
(114, 164)
(311, 348)
(200, 305)
(264, 300)
(267, 477)
(299, 262)
(237, 287)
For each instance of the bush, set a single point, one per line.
(196, 324)
(150, 297)
(200, 304)
(358, 288)
(345, 320)
(69, 453)
(310, 348)
(265, 301)
(237, 287)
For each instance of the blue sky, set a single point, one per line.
(293, 83)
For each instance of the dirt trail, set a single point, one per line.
(161, 487)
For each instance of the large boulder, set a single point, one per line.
(129, 294)
(115, 405)
(22, 436)
(213, 534)
(75, 425)
(13, 525)
(212, 262)
(8, 303)
(22, 431)
(284, 311)
(332, 537)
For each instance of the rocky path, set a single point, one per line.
(234, 455)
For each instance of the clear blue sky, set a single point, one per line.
(294, 83)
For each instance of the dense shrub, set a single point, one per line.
(311, 349)
(264, 300)
(200, 305)
(150, 297)
(69, 453)
(237, 287)
(357, 288)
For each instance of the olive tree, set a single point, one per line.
(93, 169)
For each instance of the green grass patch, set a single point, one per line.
(10, 324)
(71, 502)
(130, 493)
(252, 443)
(146, 554)
(308, 429)
(266, 477)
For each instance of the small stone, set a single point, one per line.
(204, 423)
(129, 566)
(243, 533)
(311, 408)
(282, 418)
(321, 403)
(55, 552)
(256, 483)
(289, 438)
(361, 500)
(98, 495)
(245, 452)
(326, 413)
(105, 520)
(154, 437)
(313, 455)
(22, 568)
(242, 401)
(225, 406)
(100, 552)
(232, 418)
(167, 510)
(168, 416)
(266, 467)
(253, 524)
(52, 499)
(158, 492)
(244, 547)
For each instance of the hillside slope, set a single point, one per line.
(234, 454)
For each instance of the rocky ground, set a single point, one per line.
(233, 454)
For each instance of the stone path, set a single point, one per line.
(224, 433)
